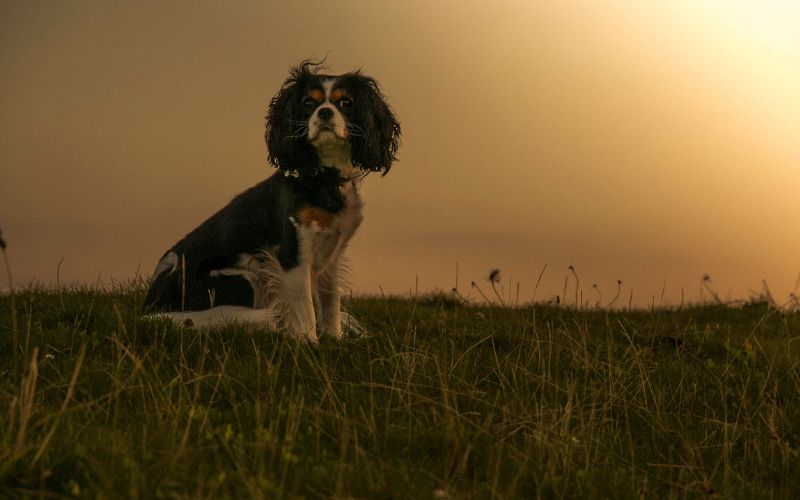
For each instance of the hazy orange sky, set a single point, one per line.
(651, 142)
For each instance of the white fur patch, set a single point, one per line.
(168, 263)
(219, 316)
(296, 283)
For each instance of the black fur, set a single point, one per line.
(376, 132)
(287, 121)
(258, 219)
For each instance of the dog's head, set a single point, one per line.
(315, 116)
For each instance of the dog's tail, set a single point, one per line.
(218, 316)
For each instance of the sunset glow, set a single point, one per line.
(648, 142)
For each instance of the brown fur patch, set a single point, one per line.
(337, 94)
(317, 95)
(307, 215)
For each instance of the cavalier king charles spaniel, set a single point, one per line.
(273, 255)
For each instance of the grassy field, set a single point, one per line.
(439, 400)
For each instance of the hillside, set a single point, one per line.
(439, 399)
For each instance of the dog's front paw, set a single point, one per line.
(333, 331)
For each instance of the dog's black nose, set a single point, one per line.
(325, 113)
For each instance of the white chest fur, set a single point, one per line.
(329, 237)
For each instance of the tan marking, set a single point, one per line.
(308, 215)
(337, 94)
(317, 95)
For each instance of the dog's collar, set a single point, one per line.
(320, 170)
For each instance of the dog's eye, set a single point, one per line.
(345, 102)
(309, 103)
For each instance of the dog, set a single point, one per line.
(273, 255)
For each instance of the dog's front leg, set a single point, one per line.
(301, 305)
(329, 302)
(297, 283)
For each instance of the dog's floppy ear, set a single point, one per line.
(286, 129)
(377, 134)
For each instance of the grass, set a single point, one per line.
(441, 400)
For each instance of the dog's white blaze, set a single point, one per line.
(339, 133)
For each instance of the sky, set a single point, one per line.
(646, 142)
